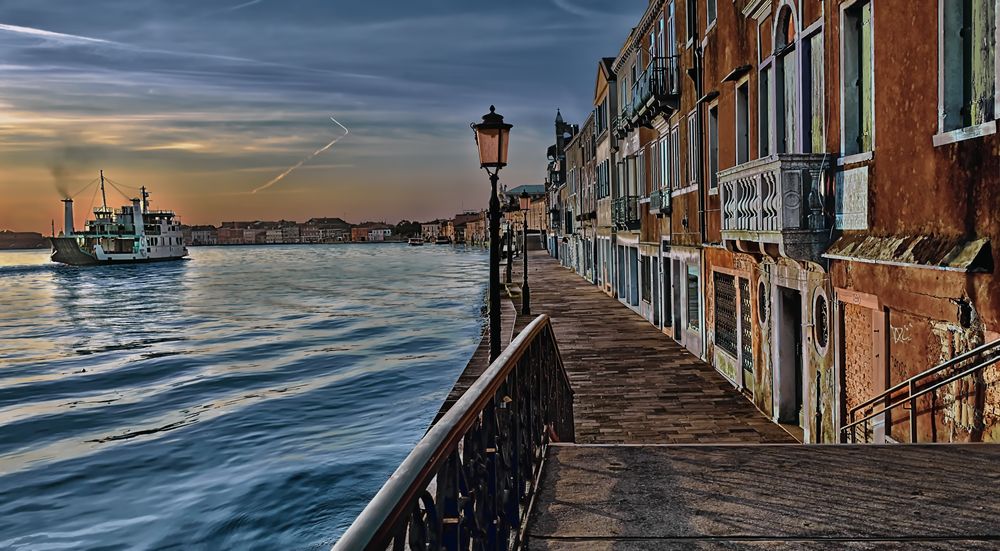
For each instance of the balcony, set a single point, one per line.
(661, 203)
(657, 92)
(622, 124)
(776, 200)
(625, 213)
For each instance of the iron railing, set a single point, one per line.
(906, 393)
(661, 202)
(625, 212)
(468, 483)
(657, 84)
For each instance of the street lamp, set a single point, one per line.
(492, 138)
(525, 292)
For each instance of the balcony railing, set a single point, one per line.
(660, 202)
(468, 483)
(778, 200)
(657, 90)
(625, 213)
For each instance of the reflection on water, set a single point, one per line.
(248, 397)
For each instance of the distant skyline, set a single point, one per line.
(204, 102)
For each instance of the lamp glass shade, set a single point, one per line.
(525, 201)
(492, 135)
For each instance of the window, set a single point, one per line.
(967, 63)
(813, 92)
(693, 139)
(675, 156)
(858, 79)
(640, 175)
(601, 117)
(743, 123)
(786, 83)
(711, 9)
(645, 283)
(665, 162)
(713, 146)
(764, 114)
(725, 313)
(655, 166)
(691, 14)
(693, 296)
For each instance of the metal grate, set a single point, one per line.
(746, 319)
(725, 312)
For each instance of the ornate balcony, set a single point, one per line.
(776, 200)
(661, 203)
(625, 213)
(657, 91)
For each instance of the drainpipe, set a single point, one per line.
(699, 93)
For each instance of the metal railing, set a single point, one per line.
(661, 202)
(906, 393)
(625, 212)
(660, 80)
(469, 482)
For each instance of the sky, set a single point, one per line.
(206, 101)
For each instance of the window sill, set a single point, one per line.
(967, 133)
(856, 158)
(711, 26)
(684, 191)
(713, 191)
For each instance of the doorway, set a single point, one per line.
(654, 278)
(677, 304)
(789, 352)
(633, 264)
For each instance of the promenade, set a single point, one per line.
(633, 384)
(669, 456)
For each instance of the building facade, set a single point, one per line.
(804, 194)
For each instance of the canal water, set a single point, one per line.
(246, 398)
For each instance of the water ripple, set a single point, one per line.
(247, 398)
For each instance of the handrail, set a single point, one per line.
(480, 461)
(992, 352)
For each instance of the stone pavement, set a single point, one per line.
(634, 384)
(768, 497)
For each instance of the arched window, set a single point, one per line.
(787, 80)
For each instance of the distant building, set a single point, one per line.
(431, 230)
(203, 235)
(379, 232)
(325, 230)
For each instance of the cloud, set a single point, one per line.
(52, 36)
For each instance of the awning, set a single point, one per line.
(922, 251)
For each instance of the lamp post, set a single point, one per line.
(525, 292)
(492, 138)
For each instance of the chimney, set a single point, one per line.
(68, 217)
(137, 220)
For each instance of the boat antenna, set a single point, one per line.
(104, 198)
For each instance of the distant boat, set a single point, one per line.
(128, 235)
(416, 242)
(442, 240)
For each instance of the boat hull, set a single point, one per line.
(66, 250)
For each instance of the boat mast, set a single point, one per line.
(104, 198)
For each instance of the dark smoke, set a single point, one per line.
(72, 164)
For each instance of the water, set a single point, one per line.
(248, 398)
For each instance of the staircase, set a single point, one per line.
(904, 396)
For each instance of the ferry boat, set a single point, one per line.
(134, 233)
(416, 242)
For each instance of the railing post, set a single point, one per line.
(913, 412)
(854, 429)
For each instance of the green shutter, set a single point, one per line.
(867, 77)
(816, 100)
(983, 54)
